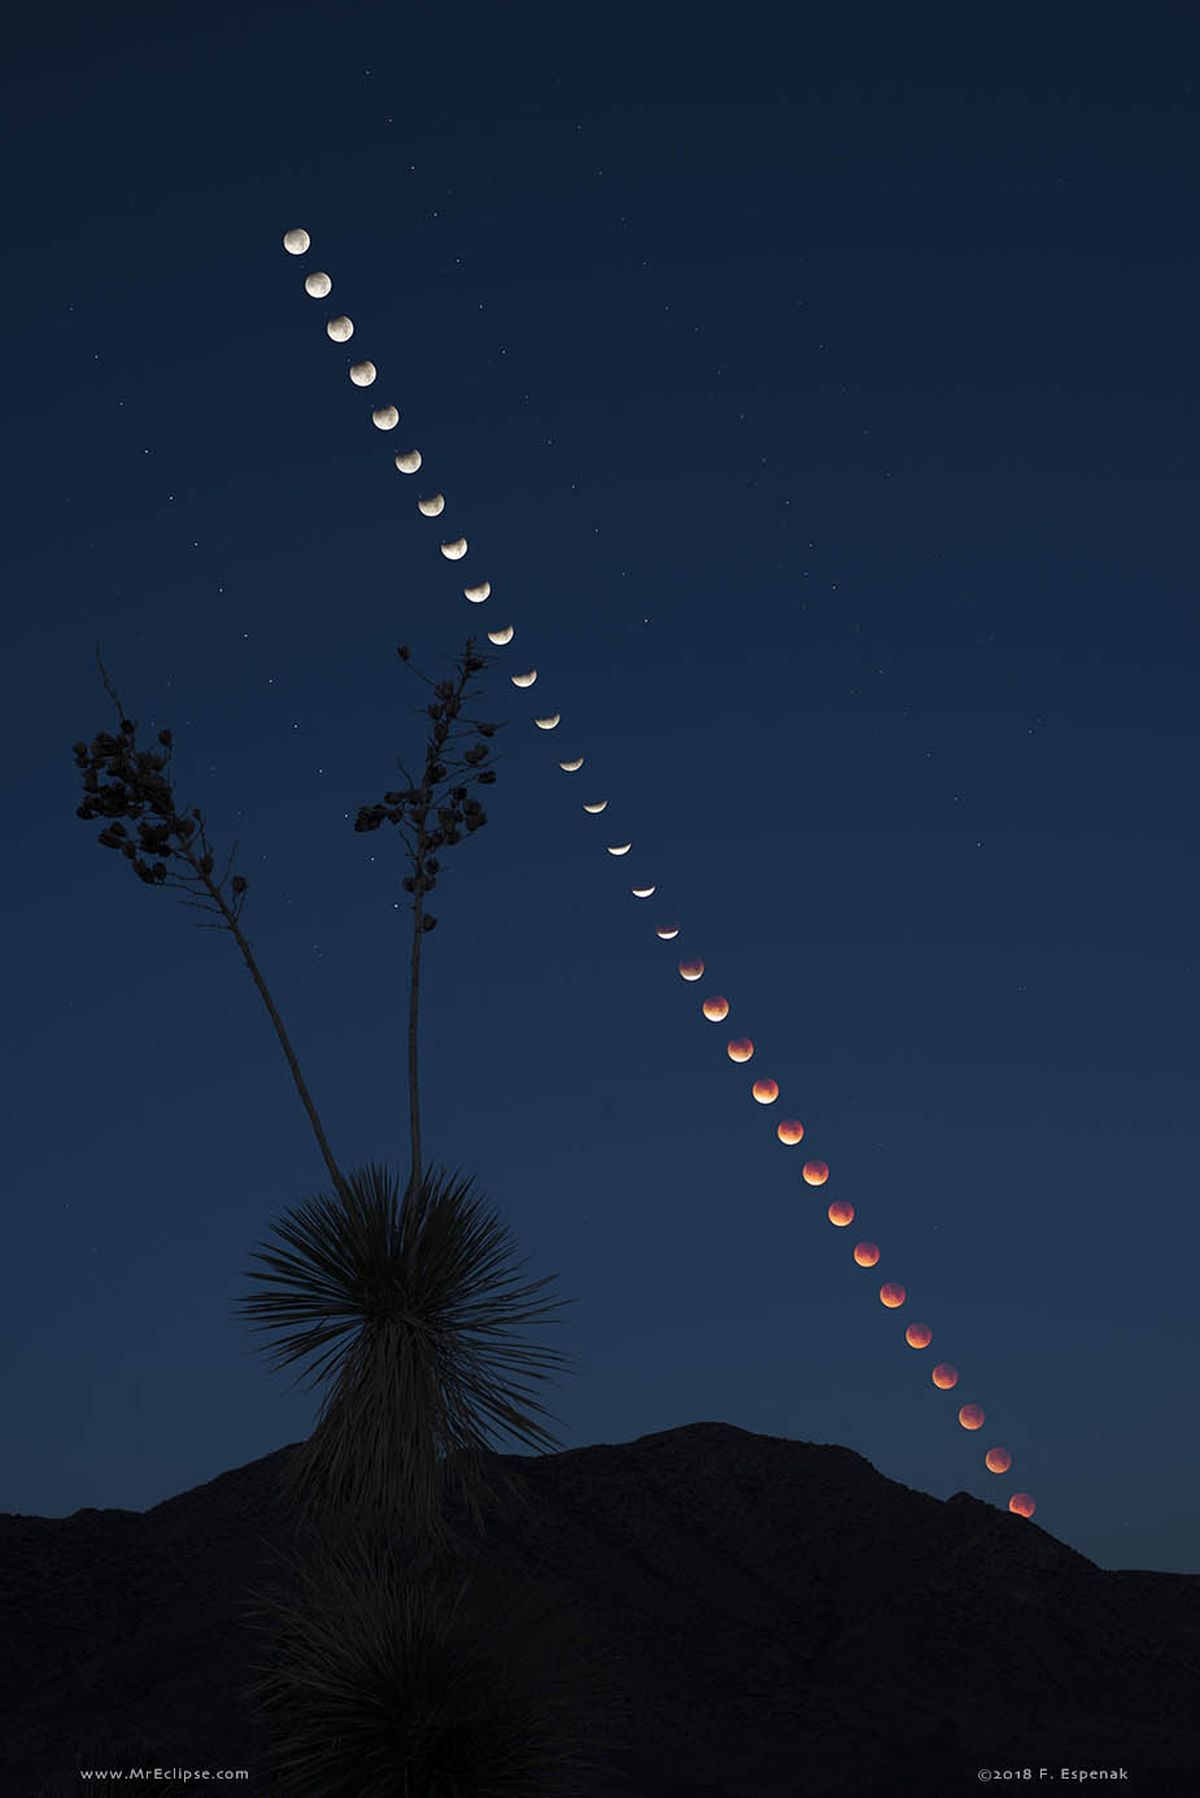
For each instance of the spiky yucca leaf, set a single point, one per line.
(408, 1309)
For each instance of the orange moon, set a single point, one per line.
(892, 1294)
(971, 1417)
(739, 1049)
(997, 1460)
(691, 970)
(816, 1172)
(944, 1376)
(666, 933)
(766, 1091)
(866, 1254)
(841, 1213)
(791, 1130)
(918, 1336)
(1021, 1504)
(716, 1008)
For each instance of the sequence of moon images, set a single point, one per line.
(790, 1132)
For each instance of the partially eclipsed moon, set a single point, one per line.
(525, 680)
(432, 504)
(568, 767)
(765, 1091)
(841, 1213)
(341, 330)
(691, 970)
(867, 1254)
(997, 1460)
(550, 723)
(385, 418)
(816, 1172)
(642, 892)
(478, 594)
(892, 1294)
(740, 1049)
(716, 1008)
(667, 933)
(363, 373)
(596, 806)
(296, 241)
(1021, 1504)
(918, 1336)
(504, 636)
(944, 1376)
(408, 461)
(619, 848)
(454, 552)
(971, 1417)
(790, 1131)
(318, 285)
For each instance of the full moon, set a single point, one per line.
(363, 373)
(318, 285)
(739, 1048)
(790, 1131)
(341, 330)
(765, 1091)
(971, 1417)
(385, 418)
(918, 1336)
(296, 241)
(693, 969)
(867, 1254)
(944, 1376)
(841, 1213)
(816, 1172)
(997, 1460)
(716, 1008)
(892, 1294)
(1021, 1504)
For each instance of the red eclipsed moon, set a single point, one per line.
(716, 1008)
(1022, 1504)
(691, 970)
(918, 1336)
(866, 1254)
(791, 1130)
(739, 1049)
(766, 1091)
(892, 1294)
(997, 1460)
(971, 1417)
(841, 1213)
(816, 1172)
(944, 1376)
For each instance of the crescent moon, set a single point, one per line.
(619, 848)
(572, 767)
(318, 285)
(363, 373)
(454, 552)
(549, 723)
(340, 330)
(385, 418)
(408, 461)
(597, 806)
(525, 680)
(431, 505)
(641, 892)
(296, 241)
(501, 637)
(666, 933)
(478, 594)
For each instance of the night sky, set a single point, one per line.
(816, 388)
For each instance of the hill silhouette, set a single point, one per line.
(776, 1620)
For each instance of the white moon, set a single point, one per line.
(341, 330)
(572, 767)
(318, 285)
(668, 932)
(478, 594)
(500, 637)
(641, 892)
(619, 848)
(363, 373)
(454, 552)
(433, 505)
(296, 241)
(385, 418)
(525, 680)
(408, 461)
(550, 723)
(597, 807)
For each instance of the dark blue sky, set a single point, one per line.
(819, 398)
